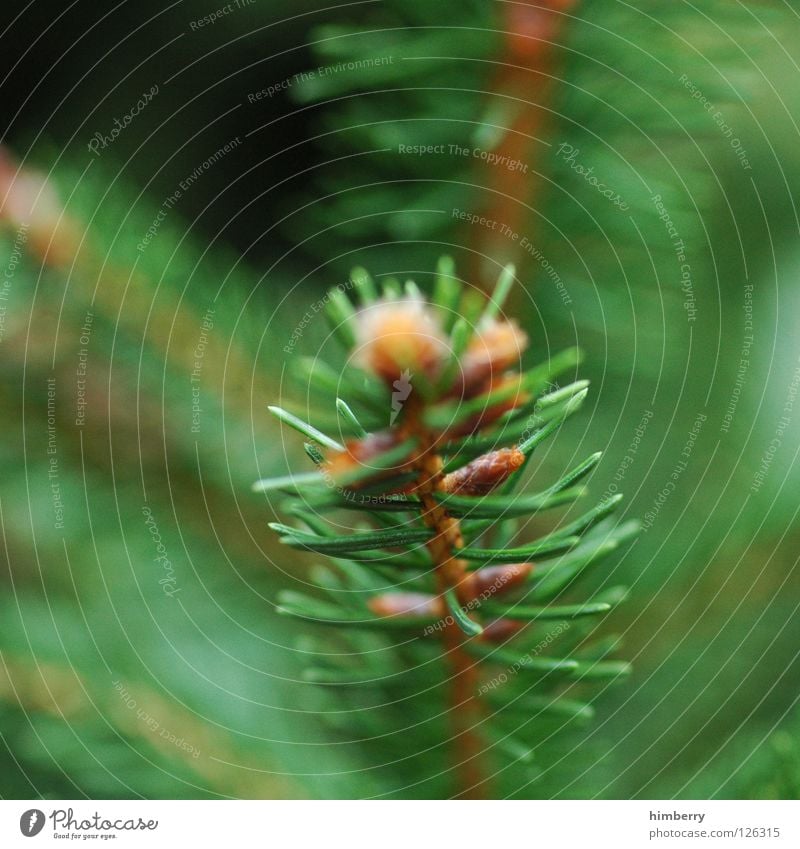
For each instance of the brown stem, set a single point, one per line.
(451, 572)
(528, 75)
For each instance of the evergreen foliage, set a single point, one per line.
(278, 706)
(449, 658)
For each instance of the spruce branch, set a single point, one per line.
(437, 481)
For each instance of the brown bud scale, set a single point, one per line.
(485, 473)
(496, 580)
(501, 630)
(406, 604)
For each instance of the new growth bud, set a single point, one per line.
(495, 347)
(484, 473)
(397, 336)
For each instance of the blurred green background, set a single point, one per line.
(649, 197)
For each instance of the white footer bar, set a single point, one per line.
(404, 825)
